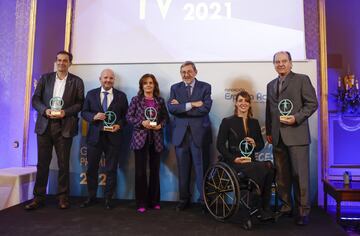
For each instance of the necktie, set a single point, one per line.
(280, 84)
(104, 103)
(188, 90)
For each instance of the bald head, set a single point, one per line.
(107, 79)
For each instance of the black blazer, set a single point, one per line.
(73, 99)
(231, 133)
(92, 106)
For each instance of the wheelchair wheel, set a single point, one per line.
(221, 191)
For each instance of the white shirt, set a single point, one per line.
(59, 86)
(110, 96)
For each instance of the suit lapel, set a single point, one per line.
(114, 101)
(97, 99)
(287, 81)
(67, 92)
(275, 86)
(52, 84)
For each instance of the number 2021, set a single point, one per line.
(203, 11)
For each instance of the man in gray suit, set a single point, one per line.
(290, 135)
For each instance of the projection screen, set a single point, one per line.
(153, 31)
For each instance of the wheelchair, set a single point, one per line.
(225, 192)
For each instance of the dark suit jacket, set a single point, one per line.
(136, 115)
(73, 99)
(297, 88)
(231, 133)
(92, 106)
(197, 119)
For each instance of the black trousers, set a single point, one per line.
(45, 143)
(147, 194)
(94, 152)
(262, 172)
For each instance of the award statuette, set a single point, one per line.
(246, 150)
(109, 121)
(151, 115)
(285, 107)
(56, 104)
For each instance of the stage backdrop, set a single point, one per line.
(226, 80)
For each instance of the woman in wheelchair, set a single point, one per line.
(233, 130)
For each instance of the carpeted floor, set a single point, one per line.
(124, 220)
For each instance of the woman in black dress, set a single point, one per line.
(234, 129)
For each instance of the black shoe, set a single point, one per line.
(63, 203)
(88, 203)
(108, 204)
(302, 220)
(266, 215)
(182, 205)
(34, 204)
(284, 211)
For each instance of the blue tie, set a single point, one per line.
(188, 89)
(104, 104)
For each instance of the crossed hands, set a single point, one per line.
(193, 104)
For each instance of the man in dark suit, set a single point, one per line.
(97, 102)
(56, 129)
(290, 135)
(189, 103)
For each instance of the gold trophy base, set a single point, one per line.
(284, 118)
(55, 112)
(152, 123)
(245, 159)
(109, 128)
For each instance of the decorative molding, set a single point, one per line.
(68, 25)
(324, 120)
(29, 72)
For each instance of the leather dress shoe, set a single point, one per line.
(284, 211)
(182, 205)
(266, 215)
(302, 220)
(63, 203)
(34, 204)
(88, 202)
(108, 204)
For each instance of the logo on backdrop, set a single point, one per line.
(230, 95)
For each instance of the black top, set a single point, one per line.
(232, 132)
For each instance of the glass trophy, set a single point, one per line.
(56, 104)
(246, 149)
(285, 107)
(109, 121)
(151, 115)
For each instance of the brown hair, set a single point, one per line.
(247, 97)
(189, 63)
(156, 92)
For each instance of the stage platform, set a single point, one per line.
(16, 185)
(124, 220)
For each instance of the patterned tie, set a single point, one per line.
(188, 90)
(104, 104)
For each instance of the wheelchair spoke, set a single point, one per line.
(232, 199)
(224, 204)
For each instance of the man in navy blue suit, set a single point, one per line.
(189, 103)
(100, 140)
